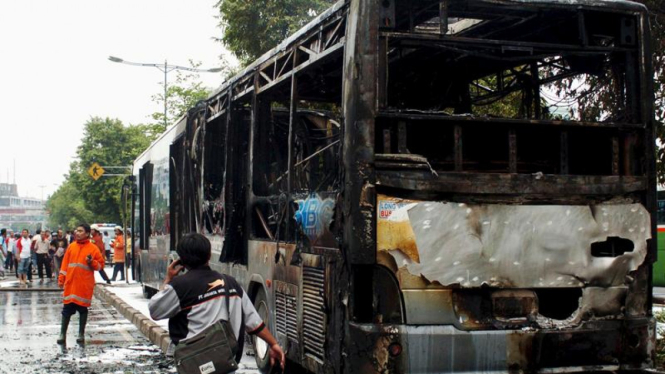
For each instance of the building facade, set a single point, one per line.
(18, 212)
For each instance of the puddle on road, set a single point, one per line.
(91, 358)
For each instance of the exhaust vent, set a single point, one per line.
(314, 319)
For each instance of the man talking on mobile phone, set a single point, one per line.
(77, 278)
(196, 300)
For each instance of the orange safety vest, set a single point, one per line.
(119, 249)
(77, 276)
(99, 242)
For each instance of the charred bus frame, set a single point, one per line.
(318, 170)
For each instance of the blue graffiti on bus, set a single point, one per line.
(314, 215)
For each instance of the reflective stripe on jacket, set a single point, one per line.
(77, 276)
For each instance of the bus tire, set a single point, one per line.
(260, 347)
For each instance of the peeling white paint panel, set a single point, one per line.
(522, 246)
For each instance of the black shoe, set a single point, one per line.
(108, 281)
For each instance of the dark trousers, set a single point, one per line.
(105, 277)
(119, 267)
(9, 263)
(70, 309)
(33, 258)
(43, 261)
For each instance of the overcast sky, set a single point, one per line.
(55, 73)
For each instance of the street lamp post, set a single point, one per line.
(166, 68)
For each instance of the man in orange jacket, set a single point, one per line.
(77, 277)
(98, 240)
(118, 254)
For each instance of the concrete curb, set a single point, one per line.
(155, 333)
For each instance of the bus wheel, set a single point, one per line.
(260, 346)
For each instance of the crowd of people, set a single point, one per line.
(41, 253)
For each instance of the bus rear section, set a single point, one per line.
(505, 189)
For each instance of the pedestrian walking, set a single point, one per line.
(59, 255)
(196, 300)
(118, 254)
(42, 244)
(8, 238)
(3, 258)
(128, 254)
(77, 278)
(107, 246)
(25, 256)
(4, 252)
(56, 240)
(33, 253)
(13, 245)
(69, 236)
(98, 241)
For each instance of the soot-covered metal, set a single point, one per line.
(440, 186)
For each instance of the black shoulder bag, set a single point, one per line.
(213, 350)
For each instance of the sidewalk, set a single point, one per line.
(127, 298)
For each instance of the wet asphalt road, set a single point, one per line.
(30, 324)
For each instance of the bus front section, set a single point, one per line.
(499, 186)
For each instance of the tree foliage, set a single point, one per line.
(109, 143)
(182, 94)
(67, 207)
(250, 28)
(657, 9)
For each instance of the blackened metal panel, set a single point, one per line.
(647, 117)
(359, 107)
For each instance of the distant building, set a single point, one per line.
(19, 213)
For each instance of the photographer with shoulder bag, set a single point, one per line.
(208, 313)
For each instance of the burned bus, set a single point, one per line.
(429, 186)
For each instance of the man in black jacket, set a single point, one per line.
(194, 301)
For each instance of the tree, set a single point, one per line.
(109, 143)
(181, 95)
(250, 28)
(657, 11)
(598, 97)
(67, 207)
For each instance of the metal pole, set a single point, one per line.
(133, 225)
(124, 234)
(166, 72)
